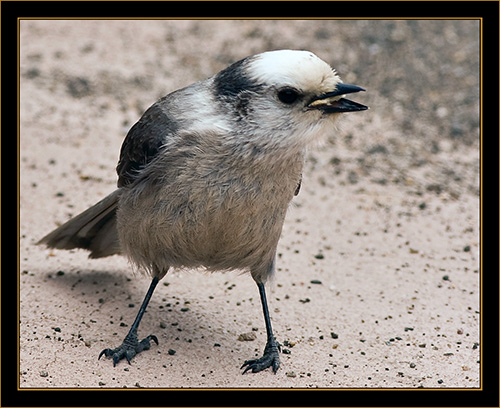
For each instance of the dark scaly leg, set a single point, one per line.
(131, 345)
(271, 351)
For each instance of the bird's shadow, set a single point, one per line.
(108, 292)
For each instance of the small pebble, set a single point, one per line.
(250, 336)
(291, 374)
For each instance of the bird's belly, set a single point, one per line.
(210, 231)
(227, 236)
(228, 218)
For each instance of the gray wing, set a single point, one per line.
(143, 142)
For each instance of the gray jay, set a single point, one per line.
(206, 175)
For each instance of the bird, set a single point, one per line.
(206, 175)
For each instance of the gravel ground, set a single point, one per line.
(378, 268)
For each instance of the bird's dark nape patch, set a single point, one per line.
(233, 80)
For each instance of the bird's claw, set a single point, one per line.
(269, 359)
(129, 348)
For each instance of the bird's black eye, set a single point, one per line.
(288, 95)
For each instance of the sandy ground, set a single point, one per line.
(378, 269)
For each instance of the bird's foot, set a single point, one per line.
(129, 348)
(269, 359)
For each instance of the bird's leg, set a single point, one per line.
(271, 351)
(131, 345)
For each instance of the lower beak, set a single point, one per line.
(331, 103)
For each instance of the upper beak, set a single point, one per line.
(330, 102)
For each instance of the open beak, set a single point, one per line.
(332, 102)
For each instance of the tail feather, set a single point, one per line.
(94, 229)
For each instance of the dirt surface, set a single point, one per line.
(378, 268)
